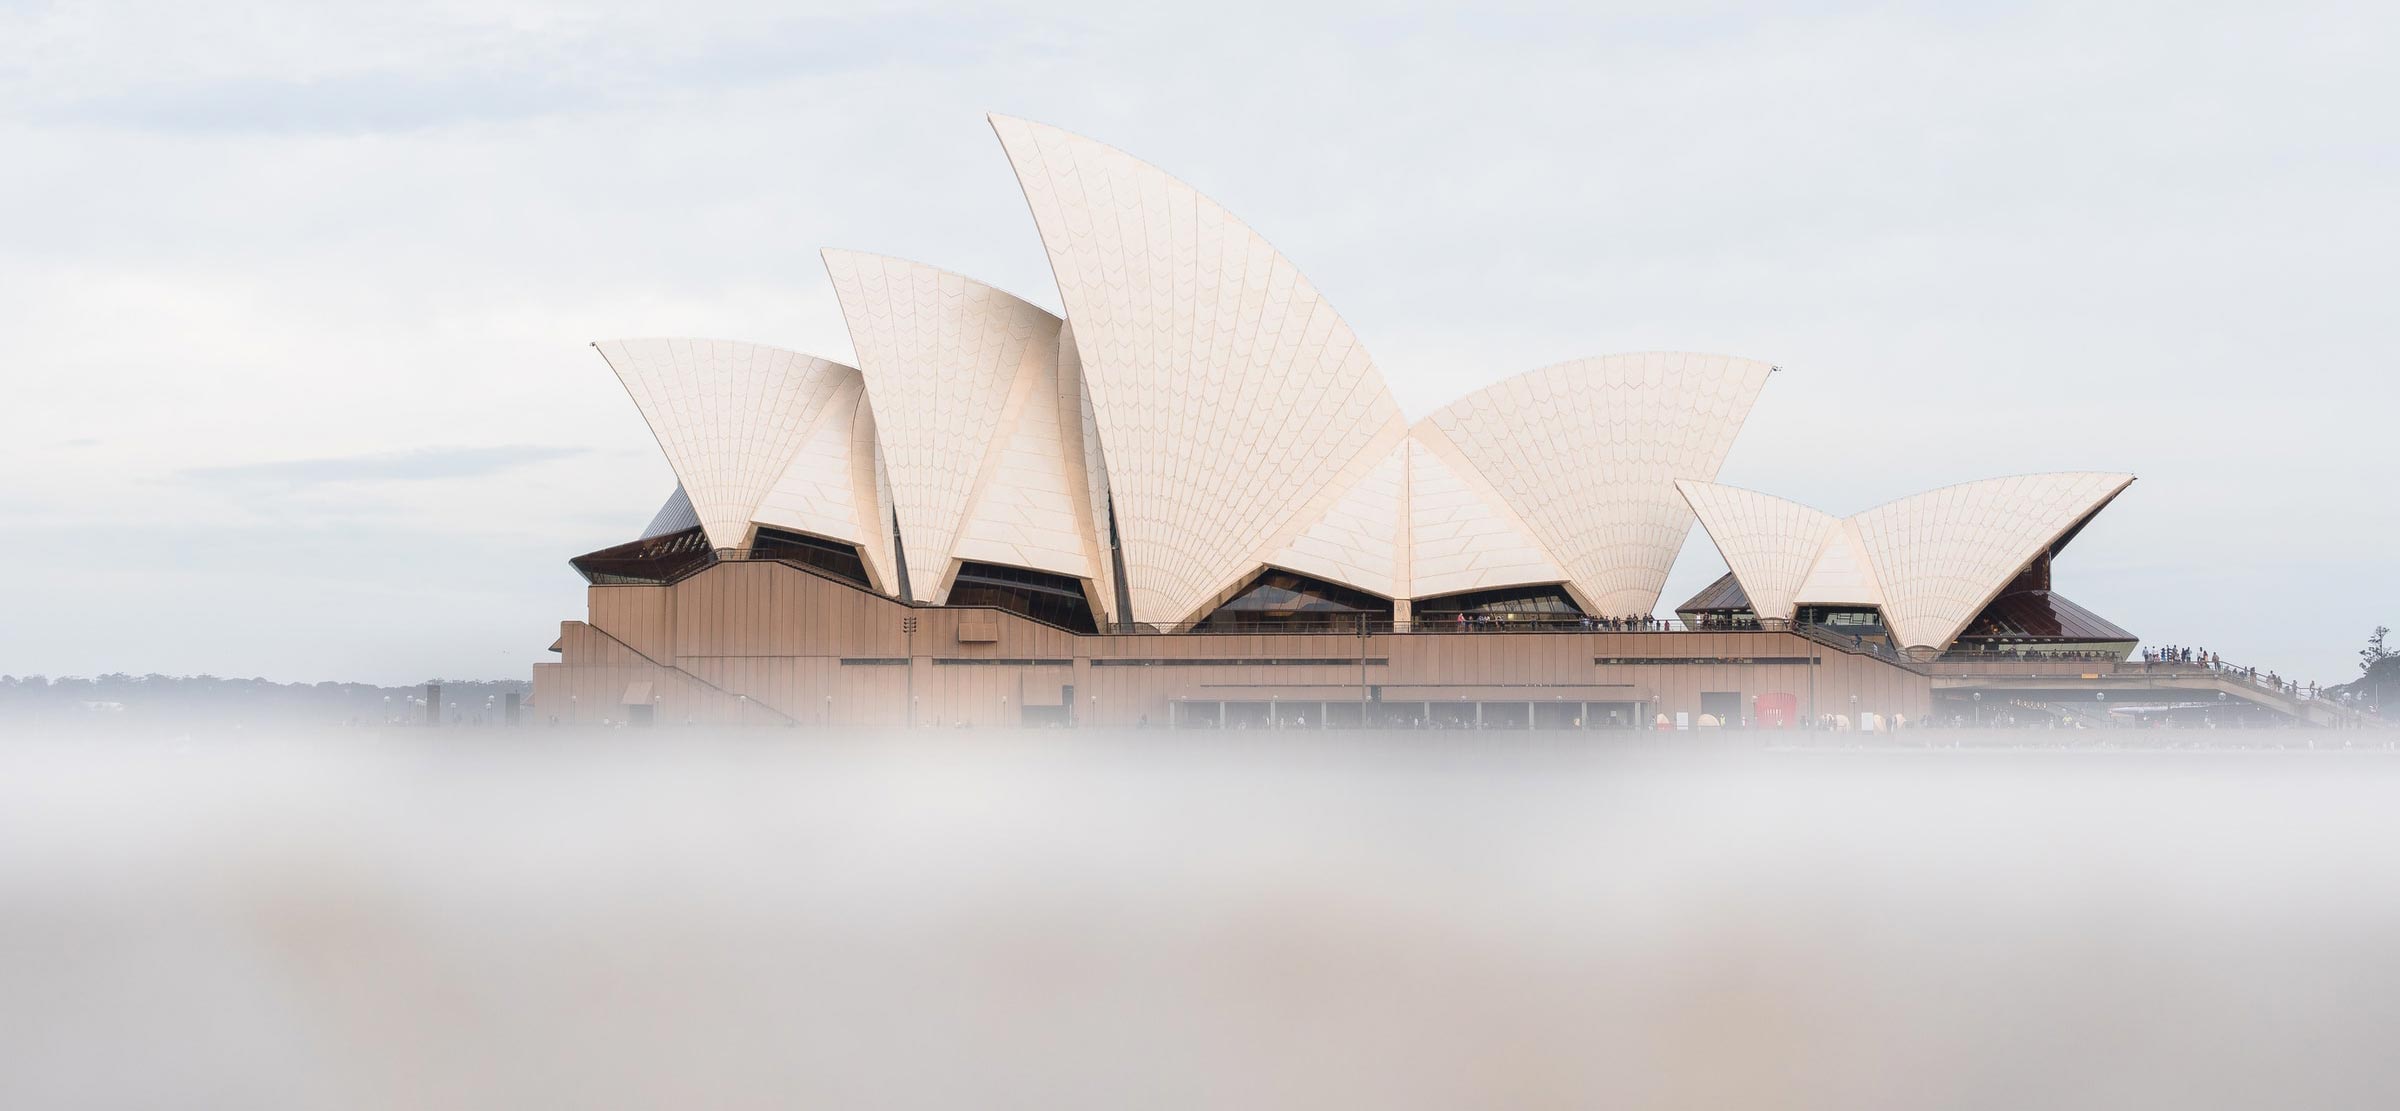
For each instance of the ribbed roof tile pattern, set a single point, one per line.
(828, 489)
(1841, 574)
(1356, 540)
(1587, 453)
(1227, 391)
(1086, 457)
(1026, 509)
(728, 415)
(1942, 555)
(1461, 536)
(1768, 542)
(942, 355)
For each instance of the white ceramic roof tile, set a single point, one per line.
(1840, 574)
(872, 492)
(1026, 511)
(1085, 456)
(819, 490)
(728, 415)
(964, 380)
(1768, 542)
(1943, 555)
(1461, 536)
(1227, 394)
(1587, 454)
(1355, 540)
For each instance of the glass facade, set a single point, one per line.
(1283, 601)
(1530, 603)
(830, 556)
(1040, 595)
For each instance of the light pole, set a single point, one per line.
(829, 711)
(1362, 670)
(1978, 697)
(1095, 711)
(908, 628)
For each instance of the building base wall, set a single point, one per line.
(770, 644)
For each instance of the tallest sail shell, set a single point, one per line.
(1230, 398)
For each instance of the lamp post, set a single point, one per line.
(1978, 697)
(1095, 710)
(829, 710)
(908, 628)
(1362, 670)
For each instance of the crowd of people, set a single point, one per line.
(1487, 622)
(2202, 657)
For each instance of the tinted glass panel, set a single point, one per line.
(1040, 595)
(1280, 601)
(832, 557)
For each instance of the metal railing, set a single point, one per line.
(1349, 625)
(1860, 645)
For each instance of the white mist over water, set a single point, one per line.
(414, 919)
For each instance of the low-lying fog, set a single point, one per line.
(413, 918)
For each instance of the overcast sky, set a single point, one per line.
(294, 297)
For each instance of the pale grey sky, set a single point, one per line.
(294, 297)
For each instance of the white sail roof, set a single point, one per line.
(728, 415)
(1930, 561)
(1462, 535)
(1769, 543)
(1943, 555)
(1587, 454)
(969, 412)
(1227, 393)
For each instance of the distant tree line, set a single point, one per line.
(2378, 679)
(155, 699)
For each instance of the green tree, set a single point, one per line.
(2374, 653)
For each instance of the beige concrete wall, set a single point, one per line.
(808, 650)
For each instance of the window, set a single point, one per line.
(1043, 596)
(1282, 601)
(830, 556)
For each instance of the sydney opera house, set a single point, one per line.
(1192, 502)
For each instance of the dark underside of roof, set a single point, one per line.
(2036, 616)
(651, 560)
(2023, 615)
(1722, 596)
